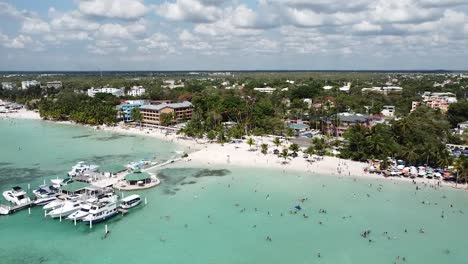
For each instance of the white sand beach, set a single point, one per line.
(21, 114)
(202, 152)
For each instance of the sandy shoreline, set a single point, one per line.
(203, 153)
(21, 114)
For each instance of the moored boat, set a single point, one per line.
(100, 212)
(16, 196)
(130, 201)
(68, 208)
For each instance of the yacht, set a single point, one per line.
(100, 212)
(80, 168)
(16, 196)
(45, 200)
(57, 183)
(45, 191)
(68, 208)
(130, 201)
(84, 211)
(59, 202)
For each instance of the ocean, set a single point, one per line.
(223, 214)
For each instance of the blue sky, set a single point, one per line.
(233, 34)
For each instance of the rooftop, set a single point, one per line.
(137, 176)
(74, 186)
(161, 106)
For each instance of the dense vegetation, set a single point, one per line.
(80, 108)
(418, 138)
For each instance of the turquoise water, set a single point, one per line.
(31, 151)
(224, 215)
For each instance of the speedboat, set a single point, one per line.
(84, 211)
(80, 168)
(16, 196)
(68, 208)
(45, 200)
(45, 191)
(100, 212)
(52, 205)
(130, 201)
(59, 202)
(57, 183)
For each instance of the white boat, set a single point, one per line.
(84, 211)
(45, 191)
(80, 168)
(130, 201)
(59, 202)
(45, 200)
(4, 210)
(68, 208)
(54, 204)
(100, 212)
(16, 196)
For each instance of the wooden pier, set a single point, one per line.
(16, 208)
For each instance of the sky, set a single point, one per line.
(233, 35)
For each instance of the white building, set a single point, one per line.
(8, 85)
(268, 90)
(388, 111)
(346, 87)
(172, 84)
(114, 91)
(26, 84)
(136, 91)
(383, 90)
(328, 87)
(54, 84)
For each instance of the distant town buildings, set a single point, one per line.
(136, 91)
(383, 90)
(27, 84)
(172, 84)
(388, 111)
(114, 91)
(54, 84)
(346, 87)
(152, 113)
(268, 90)
(436, 101)
(8, 85)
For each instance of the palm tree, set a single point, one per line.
(250, 142)
(319, 145)
(410, 154)
(294, 148)
(277, 142)
(264, 148)
(285, 155)
(461, 167)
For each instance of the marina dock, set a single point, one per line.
(16, 208)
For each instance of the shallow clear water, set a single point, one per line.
(223, 215)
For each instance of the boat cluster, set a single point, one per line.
(71, 198)
(91, 206)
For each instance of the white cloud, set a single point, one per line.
(365, 26)
(156, 41)
(197, 11)
(124, 9)
(18, 42)
(35, 26)
(74, 21)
